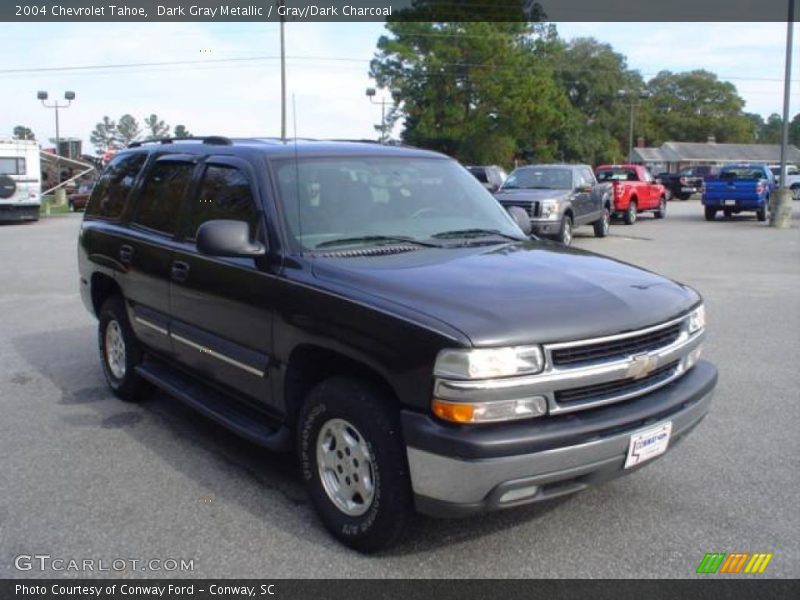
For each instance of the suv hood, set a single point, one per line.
(516, 293)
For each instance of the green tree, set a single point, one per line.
(104, 135)
(592, 75)
(794, 130)
(756, 123)
(483, 92)
(181, 132)
(692, 106)
(128, 130)
(772, 130)
(155, 127)
(23, 133)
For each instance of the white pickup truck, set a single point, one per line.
(792, 178)
(20, 180)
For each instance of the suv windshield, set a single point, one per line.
(532, 178)
(385, 200)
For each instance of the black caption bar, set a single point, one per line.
(384, 10)
(517, 589)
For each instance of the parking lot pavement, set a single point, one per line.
(84, 475)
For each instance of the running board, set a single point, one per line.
(239, 418)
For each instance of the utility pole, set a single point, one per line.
(781, 214)
(283, 71)
(631, 97)
(371, 93)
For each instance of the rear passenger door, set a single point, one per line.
(222, 307)
(581, 199)
(148, 246)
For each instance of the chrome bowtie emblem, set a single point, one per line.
(642, 365)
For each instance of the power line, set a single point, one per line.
(244, 59)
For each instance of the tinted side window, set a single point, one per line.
(114, 185)
(224, 194)
(161, 197)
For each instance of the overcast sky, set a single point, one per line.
(327, 71)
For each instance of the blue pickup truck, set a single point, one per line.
(739, 188)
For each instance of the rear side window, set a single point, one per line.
(160, 201)
(224, 193)
(113, 187)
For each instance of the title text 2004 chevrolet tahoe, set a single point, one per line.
(374, 308)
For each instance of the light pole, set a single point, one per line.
(781, 213)
(371, 95)
(69, 97)
(632, 98)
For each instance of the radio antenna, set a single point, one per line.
(297, 175)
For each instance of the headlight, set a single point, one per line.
(697, 319)
(485, 363)
(549, 208)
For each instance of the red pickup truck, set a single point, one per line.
(634, 191)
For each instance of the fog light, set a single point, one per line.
(519, 494)
(692, 358)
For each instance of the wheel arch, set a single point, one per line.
(102, 287)
(310, 364)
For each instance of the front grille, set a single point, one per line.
(617, 348)
(615, 389)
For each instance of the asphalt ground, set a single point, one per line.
(86, 476)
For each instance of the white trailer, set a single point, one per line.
(20, 180)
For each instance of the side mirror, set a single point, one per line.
(521, 218)
(224, 237)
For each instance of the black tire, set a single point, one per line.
(711, 213)
(126, 385)
(565, 231)
(662, 208)
(603, 224)
(761, 213)
(727, 212)
(375, 420)
(795, 192)
(631, 214)
(683, 196)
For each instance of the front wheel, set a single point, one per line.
(565, 231)
(662, 208)
(603, 224)
(711, 213)
(631, 214)
(120, 351)
(353, 462)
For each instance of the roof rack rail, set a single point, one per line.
(214, 140)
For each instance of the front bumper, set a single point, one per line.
(545, 227)
(457, 471)
(19, 212)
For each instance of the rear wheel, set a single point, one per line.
(683, 196)
(631, 214)
(603, 224)
(761, 213)
(353, 462)
(120, 351)
(728, 212)
(662, 208)
(565, 231)
(711, 213)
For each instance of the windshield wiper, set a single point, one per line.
(473, 233)
(361, 239)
